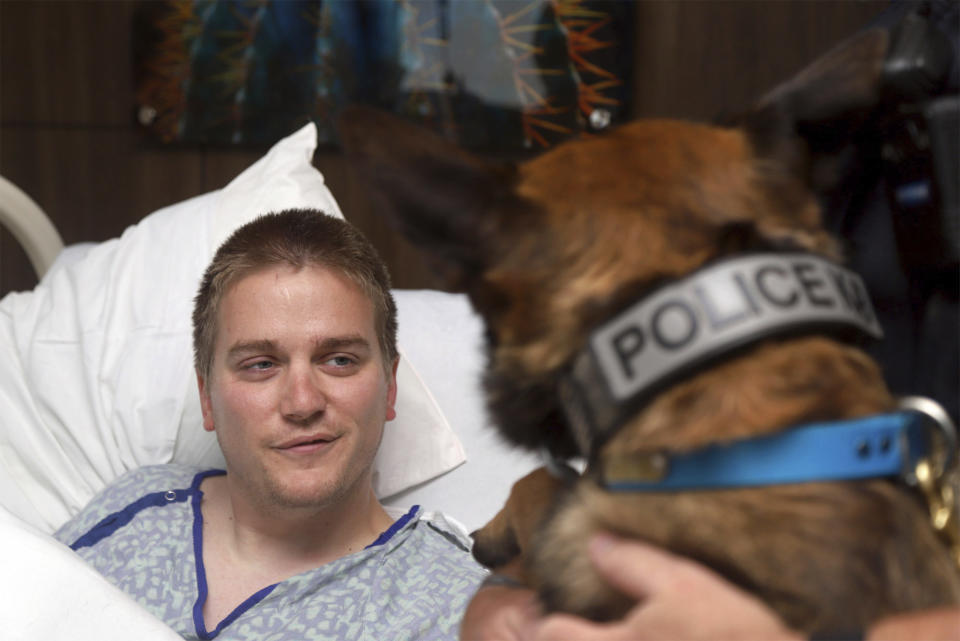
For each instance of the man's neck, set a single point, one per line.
(290, 540)
(247, 548)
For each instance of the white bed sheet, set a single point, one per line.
(50, 594)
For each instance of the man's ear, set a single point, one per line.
(392, 390)
(205, 407)
(441, 198)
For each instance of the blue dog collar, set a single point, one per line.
(885, 445)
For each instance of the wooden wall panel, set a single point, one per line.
(96, 182)
(66, 62)
(700, 59)
(16, 274)
(67, 134)
(92, 183)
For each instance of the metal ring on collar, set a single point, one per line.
(941, 418)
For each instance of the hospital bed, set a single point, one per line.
(98, 380)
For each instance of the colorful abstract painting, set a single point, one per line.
(495, 75)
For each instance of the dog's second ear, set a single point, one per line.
(438, 196)
(823, 108)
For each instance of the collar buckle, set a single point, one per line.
(647, 467)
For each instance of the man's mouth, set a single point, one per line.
(307, 444)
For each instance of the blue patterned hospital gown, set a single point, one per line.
(144, 533)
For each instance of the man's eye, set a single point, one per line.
(259, 365)
(341, 361)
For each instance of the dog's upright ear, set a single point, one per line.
(438, 196)
(811, 122)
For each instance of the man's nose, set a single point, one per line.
(303, 395)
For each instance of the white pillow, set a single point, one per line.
(98, 374)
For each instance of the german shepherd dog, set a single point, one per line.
(555, 254)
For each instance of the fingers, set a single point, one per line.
(679, 598)
(941, 624)
(638, 569)
(562, 627)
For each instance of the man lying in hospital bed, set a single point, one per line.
(99, 381)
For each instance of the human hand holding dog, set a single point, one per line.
(679, 599)
(676, 599)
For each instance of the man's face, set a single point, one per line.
(297, 392)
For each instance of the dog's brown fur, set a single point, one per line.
(550, 248)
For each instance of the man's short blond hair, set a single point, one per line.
(298, 238)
